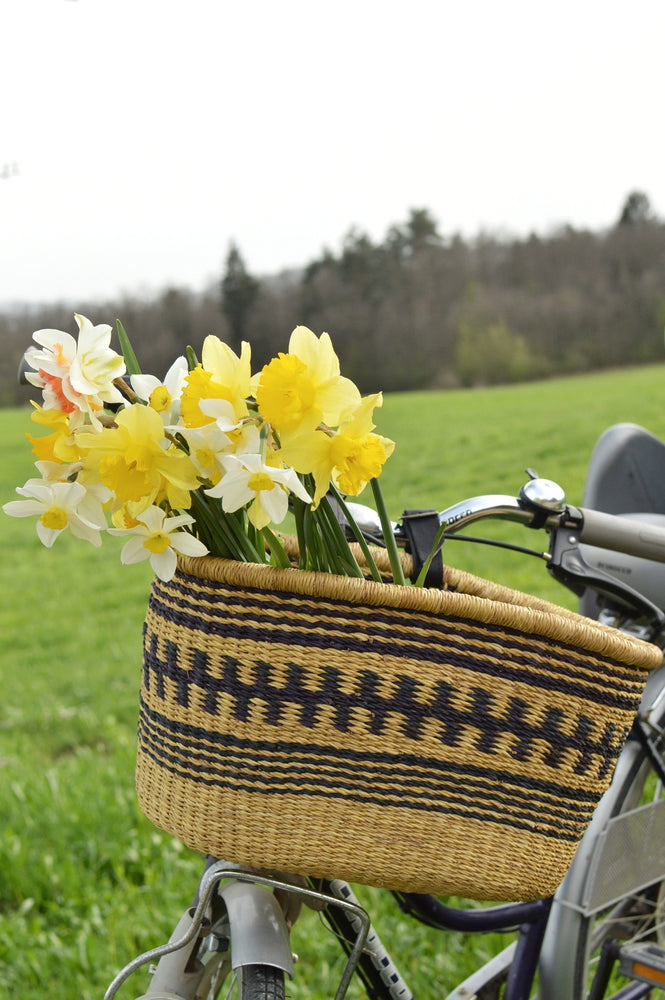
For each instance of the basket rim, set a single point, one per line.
(502, 606)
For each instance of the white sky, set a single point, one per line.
(148, 133)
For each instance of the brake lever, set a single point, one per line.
(567, 565)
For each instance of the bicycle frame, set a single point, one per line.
(516, 964)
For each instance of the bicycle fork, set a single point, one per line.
(258, 932)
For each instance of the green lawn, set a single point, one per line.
(85, 881)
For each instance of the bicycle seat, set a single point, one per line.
(626, 472)
(626, 475)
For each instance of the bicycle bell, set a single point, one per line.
(543, 494)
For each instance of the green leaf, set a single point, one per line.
(192, 359)
(132, 365)
(436, 547)
(278, 556)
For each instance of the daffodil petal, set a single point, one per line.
(80, 529)
(164, 564)
(275, 502)
(23, 508)
(188, 545)
(133, 551)
(47, 536)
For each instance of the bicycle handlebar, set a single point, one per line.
(493, 507)
(542, 504)
(606, 531)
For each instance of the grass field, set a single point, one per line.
(85, 881)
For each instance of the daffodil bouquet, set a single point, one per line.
(208, 460)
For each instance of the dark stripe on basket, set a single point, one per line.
(479, 713)
(375, 618)
(239, 775)
(388, 764)
(494, 811)
(259, 764)
(314, 614)
(194, 744)
(458, 650)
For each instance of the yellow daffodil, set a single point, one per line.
(60, 445)
(131, 459)
(349, 457)
(230, 446)
(199, 385)
(299, 390)
(221, 375)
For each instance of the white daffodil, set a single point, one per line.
(163, 396)
(222, 413)
(76, 376)
(248, 480)
(207, 446)
(59, 505)
(157, 537)
(56, 472)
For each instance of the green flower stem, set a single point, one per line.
(364, 547)
(341, 557)
(314, 558)
(312, 549)
(299, 513)
(213, 531)
(342, 542)
(388, 537)
(236, 523)
(225, 537)
(256, 538)
(330, 559)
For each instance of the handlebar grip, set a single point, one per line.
(621, 534)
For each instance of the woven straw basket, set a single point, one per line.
(451, 741)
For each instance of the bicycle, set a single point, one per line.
(609, 912)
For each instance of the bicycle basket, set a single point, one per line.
(451, 741)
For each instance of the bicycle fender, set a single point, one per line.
(259, 935)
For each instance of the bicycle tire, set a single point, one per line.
(220, 980)
(574, 935)
(250, 982)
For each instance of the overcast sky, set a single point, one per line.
(148, 133)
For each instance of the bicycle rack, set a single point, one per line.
(209, 882)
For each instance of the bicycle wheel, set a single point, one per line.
(615, 888)
(250, 982)
(220, 980)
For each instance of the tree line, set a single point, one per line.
(417, 309)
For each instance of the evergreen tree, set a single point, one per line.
(636, 210)
(239, 291)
